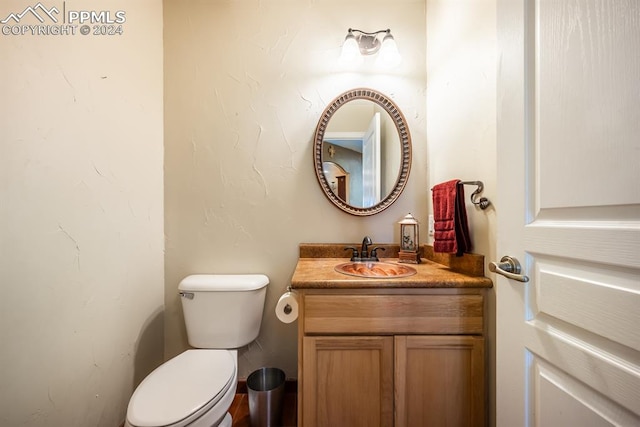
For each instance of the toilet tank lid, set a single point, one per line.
(223, 282)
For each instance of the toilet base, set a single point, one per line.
(227, 421)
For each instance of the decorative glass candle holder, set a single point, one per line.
(409, 240)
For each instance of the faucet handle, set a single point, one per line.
(355, 254)
(374, 252)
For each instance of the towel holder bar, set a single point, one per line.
(483, 202)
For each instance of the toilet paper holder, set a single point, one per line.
(287, 308)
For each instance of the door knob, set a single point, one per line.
(508, 267)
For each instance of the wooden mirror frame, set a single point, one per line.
(405, 142)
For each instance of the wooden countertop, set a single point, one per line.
(319, 273)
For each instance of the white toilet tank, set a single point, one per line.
(223, 311)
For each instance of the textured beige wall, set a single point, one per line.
(245, 83)
(81, 217)
(461, 119)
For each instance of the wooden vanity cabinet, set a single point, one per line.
(439, 380)
(391, 358)
(348, 381)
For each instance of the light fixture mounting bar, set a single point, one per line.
(368, 42)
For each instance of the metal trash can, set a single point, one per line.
(266, 396)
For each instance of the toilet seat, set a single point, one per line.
(182, 389)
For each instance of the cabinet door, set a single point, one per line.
(439, 381)
(347, 381)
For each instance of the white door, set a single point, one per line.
(568, 207)
(371, 163)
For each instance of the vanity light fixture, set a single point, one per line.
(360, 43)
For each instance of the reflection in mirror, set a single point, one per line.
(362, 152)
(338, 180)
(363, 140)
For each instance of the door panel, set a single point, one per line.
(583, 295)
(586, 62)
(576, 405)
(568, 346)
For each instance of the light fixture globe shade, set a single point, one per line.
(350, 50)
(389, 55)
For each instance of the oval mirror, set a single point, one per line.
(362, 152)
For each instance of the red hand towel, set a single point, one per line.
(450, 217)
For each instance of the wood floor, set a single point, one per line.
(240, 410)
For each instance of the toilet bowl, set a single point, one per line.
(196, 388)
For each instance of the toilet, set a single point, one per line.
(196, 388)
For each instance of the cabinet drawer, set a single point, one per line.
(393, 314)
